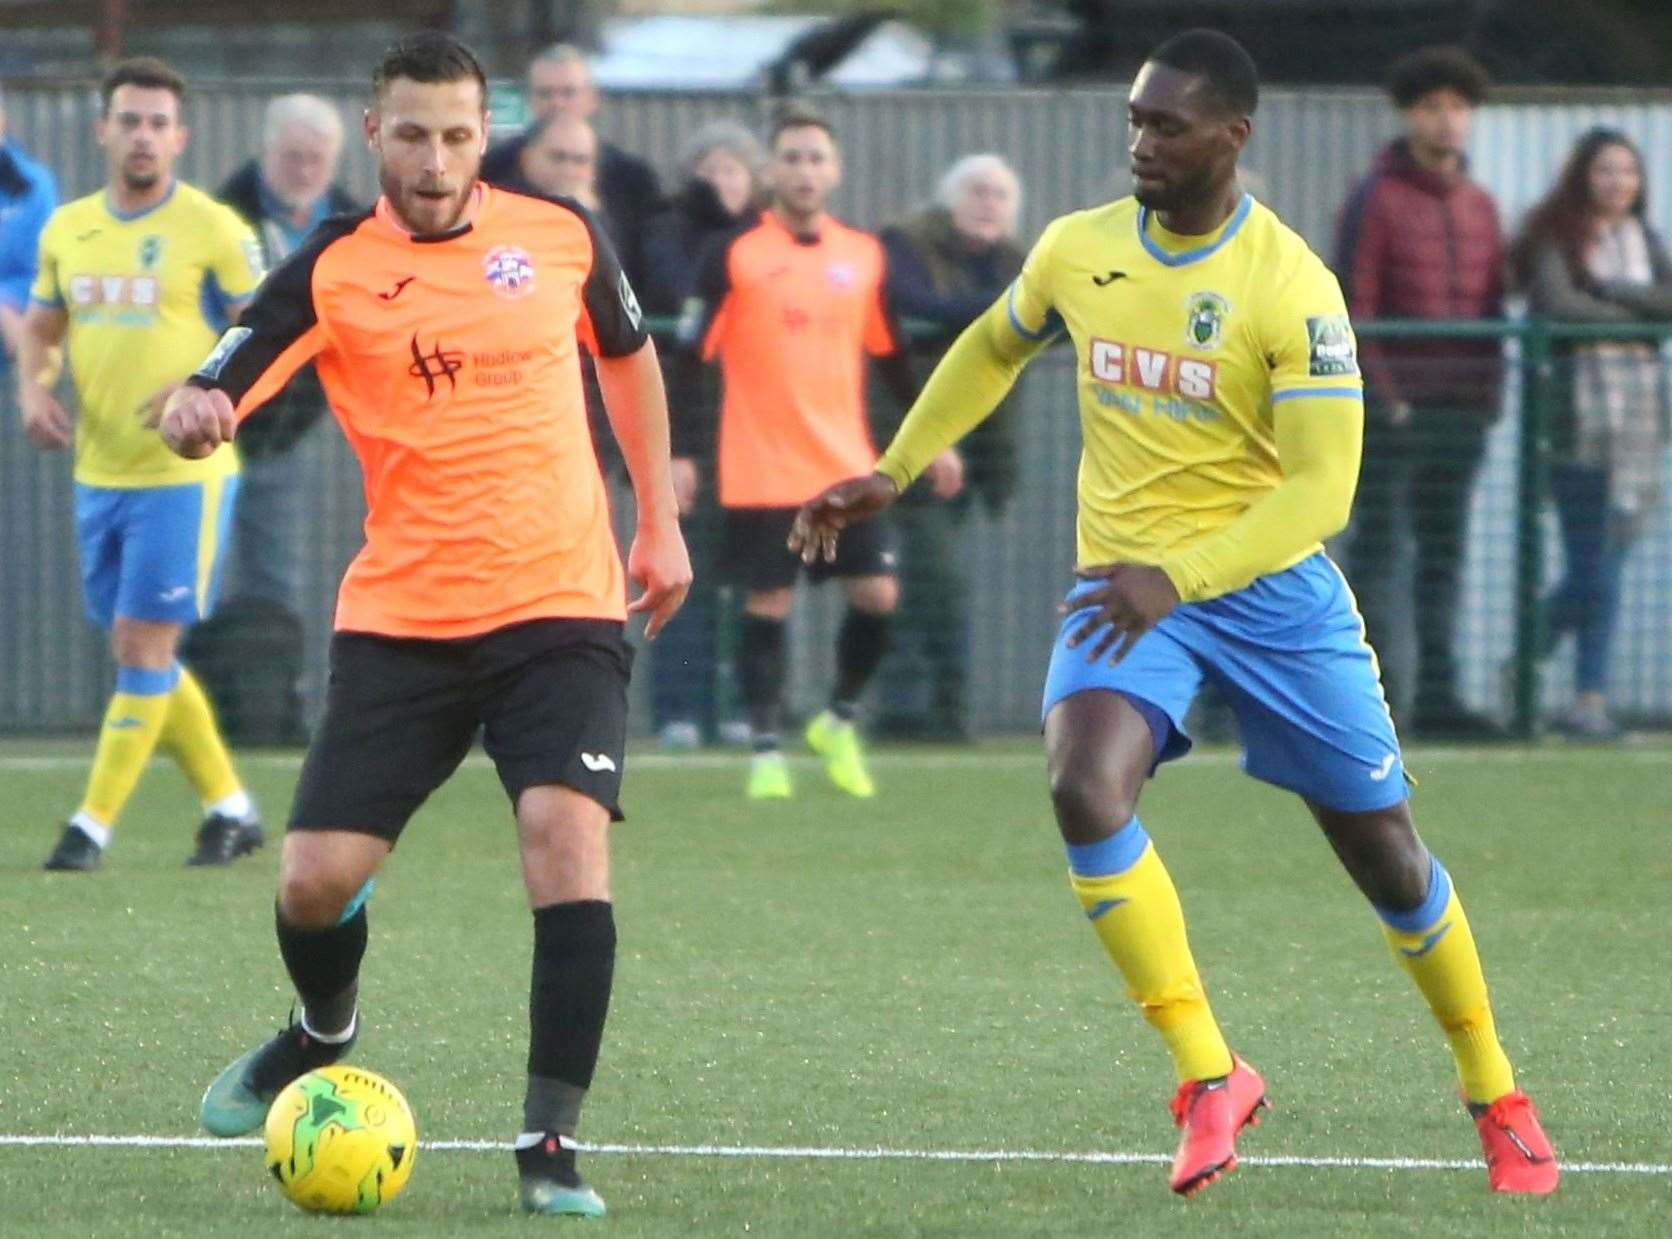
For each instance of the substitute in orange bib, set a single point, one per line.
(446, 326)
(790, 308)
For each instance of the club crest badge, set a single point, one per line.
(510, 271)
(1204, 324)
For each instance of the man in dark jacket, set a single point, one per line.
(946, 264)
(282, 194)
(560, 81)
(1420, 239)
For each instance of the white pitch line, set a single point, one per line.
(1415, 758)
(856, 1154)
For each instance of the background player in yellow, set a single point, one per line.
(140, 279)
(1222, 416)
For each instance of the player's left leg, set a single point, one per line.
(564, 839)
(554, 719)
(1430, 937)
(1291, 656)
(865, 562)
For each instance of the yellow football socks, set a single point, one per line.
(1433, 943)
(194, 741)
(1131, 902)
(132, 724)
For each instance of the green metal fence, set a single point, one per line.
(54, 675)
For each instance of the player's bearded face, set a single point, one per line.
(805, 169)
(429, 138)
(1181, 146)
(142, 135)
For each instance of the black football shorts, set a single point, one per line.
(548, 696)
(754, 549)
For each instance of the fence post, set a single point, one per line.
(1537, 377)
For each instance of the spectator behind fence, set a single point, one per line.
(1420, 239)
(27, 196)
(558, 158)
(282, 194)
(1586, 255)
(560, 83)
(946, 264)
(721, 166)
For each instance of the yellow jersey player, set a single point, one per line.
(140, 279)
(1222, 416)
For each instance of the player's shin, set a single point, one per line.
(132, 724)
(1433, 943)
(761, 668)
(324, 966)
(568, 1002)
(194, 741)
(1134, 908)
(860, 646)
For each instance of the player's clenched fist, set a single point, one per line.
(195, 422)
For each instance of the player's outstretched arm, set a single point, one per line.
(39, 358)
(975, 374)
(196, 421)
(638, 411)
(822, 518)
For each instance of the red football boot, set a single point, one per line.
(1211, 1115)
(1518, 1153)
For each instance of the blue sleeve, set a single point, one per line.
(20, 247)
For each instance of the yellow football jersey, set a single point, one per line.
(146, 297)
(1183, 346)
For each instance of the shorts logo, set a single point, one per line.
(598, 762)
(438, 363)
(510, 271)
(230, 342)
(1331, 349)
(1204, 324)
(175, 594)
(1381, 772)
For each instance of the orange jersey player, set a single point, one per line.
(446, 325)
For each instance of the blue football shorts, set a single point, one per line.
(1289, 655)
(153, 553)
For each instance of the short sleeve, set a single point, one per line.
(1309, 342)
(45, 288)
(611, 322)
(1030, 308)
(235, 261)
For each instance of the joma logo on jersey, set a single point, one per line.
(1153, 370)
(138, 290)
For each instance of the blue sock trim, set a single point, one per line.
(143, 682)
(1421, 918)
(358, 902)
(1116, 854)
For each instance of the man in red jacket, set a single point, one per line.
(1419, 239)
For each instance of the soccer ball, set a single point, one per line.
(341, 1140)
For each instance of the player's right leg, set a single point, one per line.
(399, 717)
(757, 560)
(325, 878)
(1106, 728)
